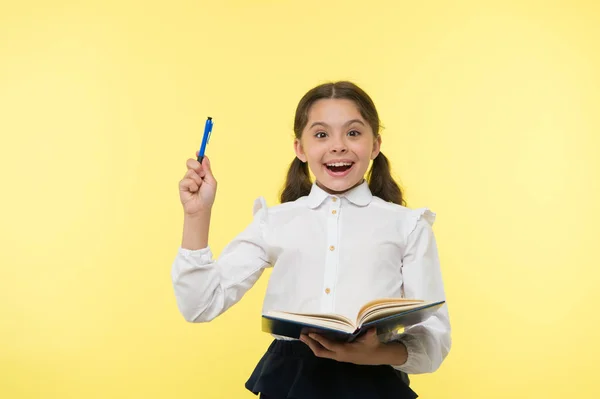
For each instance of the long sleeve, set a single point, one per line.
(427, 343)
(205, 287)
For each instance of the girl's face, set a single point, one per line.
(338, 144)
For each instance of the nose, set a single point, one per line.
(338, 147)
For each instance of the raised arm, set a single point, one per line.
(206, 287)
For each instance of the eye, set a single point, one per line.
(320, 135)
(354, 133)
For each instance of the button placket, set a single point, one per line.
(332, 256)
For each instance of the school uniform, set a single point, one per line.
(329, 254)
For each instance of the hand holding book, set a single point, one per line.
(366, 349)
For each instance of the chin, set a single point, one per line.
(337, 186)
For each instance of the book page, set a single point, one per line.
(334, 321)
(381, 312)
(385, 303)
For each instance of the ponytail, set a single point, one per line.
(381, 182)
(297, 183)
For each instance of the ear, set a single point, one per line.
(376, 147)
(299, 150)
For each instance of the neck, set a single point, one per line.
(329, 191)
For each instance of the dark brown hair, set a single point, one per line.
(381, 182)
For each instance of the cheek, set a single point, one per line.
(314, 155)
(364, 150)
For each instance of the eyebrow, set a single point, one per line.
(345, 124)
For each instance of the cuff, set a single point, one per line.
(412, 348)
(199, 256)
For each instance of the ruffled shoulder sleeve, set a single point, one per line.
(416, 216)
(260, 211)
(259, 204)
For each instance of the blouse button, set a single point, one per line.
(327, 290)
(333, 212)
(331, 248)
(334, 199)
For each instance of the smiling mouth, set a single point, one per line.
(339, 167)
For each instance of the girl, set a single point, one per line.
(334, 245)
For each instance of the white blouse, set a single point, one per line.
(330, 254)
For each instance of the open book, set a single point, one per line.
(386, 314)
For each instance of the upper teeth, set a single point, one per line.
(340, 164)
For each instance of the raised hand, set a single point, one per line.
(198, 188)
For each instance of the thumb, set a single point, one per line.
(370, 335)
(207, 168)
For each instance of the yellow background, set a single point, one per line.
(491, 114)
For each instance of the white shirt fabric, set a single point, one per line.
(329, 254)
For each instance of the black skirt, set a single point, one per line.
(290, 369)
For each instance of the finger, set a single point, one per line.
(370, 333)
(316, 348)
(188, 185)
(369, 336)
(193, 164)
(191, 174)
(326, 343)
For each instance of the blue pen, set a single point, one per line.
(207, 131)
